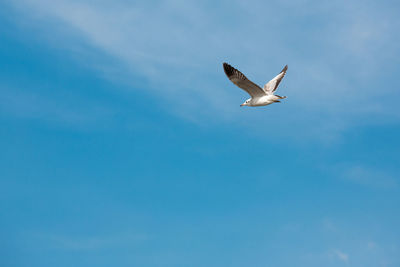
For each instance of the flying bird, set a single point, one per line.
(259, 96)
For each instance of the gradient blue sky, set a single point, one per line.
(123, 143)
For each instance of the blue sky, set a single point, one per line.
(123, 143)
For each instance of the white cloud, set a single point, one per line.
(95, 242)
(27, 104)
(178, 47)
(329, 226)
(370, 177)
(371, 245)
(341, 255)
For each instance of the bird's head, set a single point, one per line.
(246, 103)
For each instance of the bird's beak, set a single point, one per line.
(241, 105)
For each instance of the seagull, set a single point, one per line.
(259, 96)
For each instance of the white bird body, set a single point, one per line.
(259, 96)
(263, 100)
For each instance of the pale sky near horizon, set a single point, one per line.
(123, 143)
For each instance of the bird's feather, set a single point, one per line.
(273, 84)
(241, 81)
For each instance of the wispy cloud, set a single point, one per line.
(370, 177)
(329, 226)
(178, 48)
(27, 104)
(371, 245)
(94, 242)
(340, 255)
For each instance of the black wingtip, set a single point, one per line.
(285, 68)
(228, 69)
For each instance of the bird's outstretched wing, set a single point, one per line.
(273, 84)
(241, 81)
